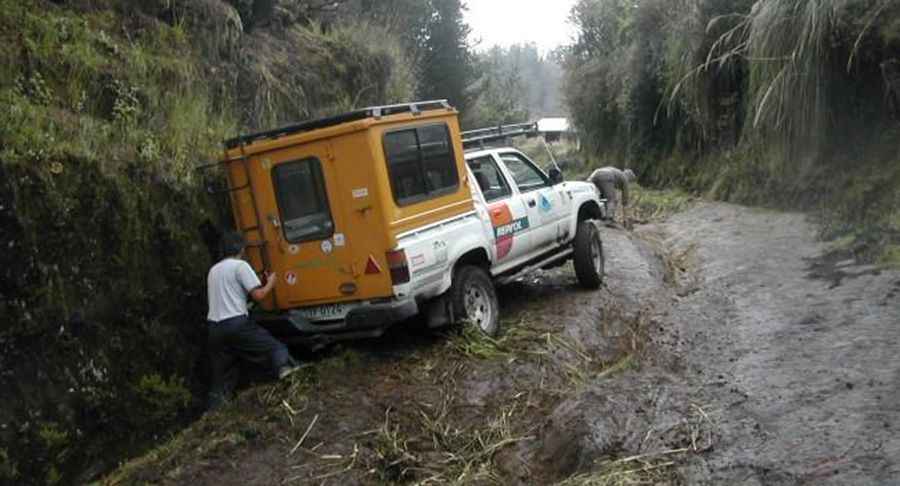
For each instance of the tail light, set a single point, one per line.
(398, 266)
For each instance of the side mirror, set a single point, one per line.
(556, 175)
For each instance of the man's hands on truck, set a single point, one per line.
(260, 293)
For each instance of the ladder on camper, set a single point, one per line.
(250, 227)
(478, 139)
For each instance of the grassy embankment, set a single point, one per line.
(100, 206)
(783, 103)
(106, 109)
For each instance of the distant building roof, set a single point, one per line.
(553, 125)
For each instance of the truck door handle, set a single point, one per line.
(531, 203)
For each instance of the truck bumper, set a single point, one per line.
(366, 321)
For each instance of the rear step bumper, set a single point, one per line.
(368, 320)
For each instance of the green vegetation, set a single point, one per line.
(650, 205)
(516, 85)
(891, 256)
(158, 400)
(107, 108)
(790, 103)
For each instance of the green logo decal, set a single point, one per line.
(510, 229)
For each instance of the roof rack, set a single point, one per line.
(361, 114)
(475, 139)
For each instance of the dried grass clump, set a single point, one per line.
(307, 72)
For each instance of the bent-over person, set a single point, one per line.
(610, 180)
(233, 335)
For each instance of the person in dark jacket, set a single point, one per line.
(232, 334)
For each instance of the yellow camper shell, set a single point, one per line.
(322, 203)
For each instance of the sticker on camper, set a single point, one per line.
(327, 247)
(340, 239)
(290, 278)
(361, 193)
(294, 249)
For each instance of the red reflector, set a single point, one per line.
(398, 266)
(372, 267)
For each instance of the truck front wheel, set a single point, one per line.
(475, 299)
(588, 258)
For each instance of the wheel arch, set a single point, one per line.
(476, 256)
(588, 210)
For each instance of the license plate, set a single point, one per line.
(327, 312)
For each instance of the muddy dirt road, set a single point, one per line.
(726, 347)
(793, 355)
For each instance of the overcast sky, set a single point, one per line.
(505, 22)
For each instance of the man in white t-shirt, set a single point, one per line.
(232, 334)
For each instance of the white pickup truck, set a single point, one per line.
(373, 216)
(524, 220)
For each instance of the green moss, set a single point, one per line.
(104, 113)
(653, 205)
(52, 436)
(9, 470)
(159, 401)
(53, 476)
(890, 256)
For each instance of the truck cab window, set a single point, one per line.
(302, 201)
(489, 179)
(527, 176)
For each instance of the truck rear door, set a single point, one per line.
(321, 258)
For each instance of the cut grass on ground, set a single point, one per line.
(429, 432)
(654, 205)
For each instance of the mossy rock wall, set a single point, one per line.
(106, 108)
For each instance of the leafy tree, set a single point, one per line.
(447, 69)
(516, 83)
(501, 91)
(408, 19)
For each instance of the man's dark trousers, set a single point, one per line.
(240, 337)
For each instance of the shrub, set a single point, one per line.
(9, 470)
(158, 401)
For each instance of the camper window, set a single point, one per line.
(303, 201)
(421, 163)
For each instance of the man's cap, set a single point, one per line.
(232, 243)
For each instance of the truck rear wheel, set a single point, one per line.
(475, 299)
(588, 258)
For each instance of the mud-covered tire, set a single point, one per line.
(475, 300)
(588, 257)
